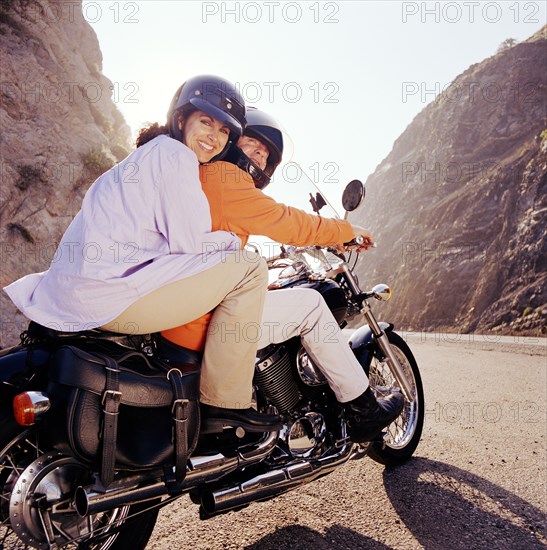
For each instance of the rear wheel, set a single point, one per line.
(403, 434)
(32, 478)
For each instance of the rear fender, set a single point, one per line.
(363, 343)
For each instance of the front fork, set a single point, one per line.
(379, 334)
(385, 346)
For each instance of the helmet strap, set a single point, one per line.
(260, 178)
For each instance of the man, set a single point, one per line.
(237, 204)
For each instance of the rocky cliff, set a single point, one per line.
(60, 129)
(458, 206)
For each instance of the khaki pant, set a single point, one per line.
(236, 287)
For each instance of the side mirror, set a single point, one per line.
(317, 202)
(353, 195)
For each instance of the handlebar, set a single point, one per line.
(358, 241)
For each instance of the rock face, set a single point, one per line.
(458, 206)
(60, 129)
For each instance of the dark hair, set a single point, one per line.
(154, 130)
(150, 132)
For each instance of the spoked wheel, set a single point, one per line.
(403, 434)
(36, 491)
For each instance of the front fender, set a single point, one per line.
(362, 342)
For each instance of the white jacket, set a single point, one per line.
(143, 224)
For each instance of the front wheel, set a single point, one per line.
(403, 434)
(53, 474)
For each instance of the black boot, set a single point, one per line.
(367, 416)
(215, 419)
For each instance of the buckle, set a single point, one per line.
(173, 370)
(115, 395)
(183, 402)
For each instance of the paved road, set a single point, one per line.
(478, 478)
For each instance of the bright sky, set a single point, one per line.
(344, 78)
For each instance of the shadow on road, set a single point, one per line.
(446, 507)
(296, 537)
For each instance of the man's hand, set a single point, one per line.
(368, 241)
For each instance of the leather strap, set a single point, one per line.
(111, 405)
(180, 424)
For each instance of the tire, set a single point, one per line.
(403, 434)
(20, 449)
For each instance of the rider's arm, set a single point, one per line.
(246, 210)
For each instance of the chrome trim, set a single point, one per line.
(274, 482)
(385, 346)
(254, 453)
(305, 443)
(271, 359)
(351, 279)
(40, 402)
(307, 370)
(201, 469)
(382, 292)
(395, 367)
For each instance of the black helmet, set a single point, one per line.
(267, 130)
(213, 95)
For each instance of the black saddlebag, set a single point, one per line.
(129, 412)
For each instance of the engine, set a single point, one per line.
(274, 377)
(305, 430)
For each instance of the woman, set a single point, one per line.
(140, 256)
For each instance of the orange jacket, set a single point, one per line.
(236, 205)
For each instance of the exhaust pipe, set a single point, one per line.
(271, 483)
(202, 469)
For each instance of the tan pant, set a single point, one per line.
(236, 287)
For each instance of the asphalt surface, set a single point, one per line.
(477, 479)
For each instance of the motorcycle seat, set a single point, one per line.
(40, 333)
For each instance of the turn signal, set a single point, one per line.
(28, 405)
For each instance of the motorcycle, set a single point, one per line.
(54, 489)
